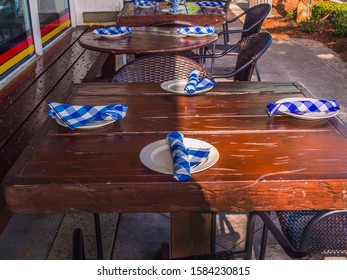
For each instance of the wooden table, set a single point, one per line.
(266, 163)
(132, 16)
(147, 40)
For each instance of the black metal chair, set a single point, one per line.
(158, 68)
(302, 234)
(253, 21)
(250, 49)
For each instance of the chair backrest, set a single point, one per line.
(158, 68)
(326, 235)
(256, 14)
(251, 48)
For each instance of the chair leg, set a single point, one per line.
(213, 232)
(257, 72)
(213, 59)
(98, 236)
(247, 252)
(78, 245)
(263, 242)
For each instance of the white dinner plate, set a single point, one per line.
(177, 86)
(167, 11)
(310, 115)
(92, 124)
(156, 156)
(112, 37)
(211, 7)
(177, 2)
(146, 7)
(198, 35)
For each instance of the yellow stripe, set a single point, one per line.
(54, 32)
(16, 59)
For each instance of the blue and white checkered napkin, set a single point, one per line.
(143, 3)
(175, 8)
(194, 84)
(196, 30)
(210, 4)
(301, 107)
(183, 158)
(116, 30)
(177, 1)
(74, 115)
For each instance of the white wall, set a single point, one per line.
(95, 6)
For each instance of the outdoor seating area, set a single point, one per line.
(179, 132)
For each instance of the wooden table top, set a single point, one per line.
(145, 40)
(266, 163)
(132, 16)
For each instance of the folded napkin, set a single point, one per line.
(177, 1)
(74, 115)
(143, 3)
(180, 155)
(211, 4)
(301, 107)
(196, 30)
(175, 8)
(195, 84)
(113, 30)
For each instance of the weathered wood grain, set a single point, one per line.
(24, 107)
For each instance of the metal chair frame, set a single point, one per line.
(302, 250)
(246, 51)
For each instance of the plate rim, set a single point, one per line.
(110, 36)
(146, 7)
(305, 117)
(167, 11)
(162, 85)
(151, 147)
(89, 125)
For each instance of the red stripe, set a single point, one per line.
(29, 41)
(16, 50)
(54, 24)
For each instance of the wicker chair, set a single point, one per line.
(303, 234)
(253, 21)
(158, 68)
(250, 49)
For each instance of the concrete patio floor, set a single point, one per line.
(139, 236)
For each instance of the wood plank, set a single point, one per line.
(194, 229)
(25, 109)
(21, 83)
(132, 16)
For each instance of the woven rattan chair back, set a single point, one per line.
(158, 68)
(328, 236)
(251, 48)
(255, 16)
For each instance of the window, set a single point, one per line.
(54, 18)
(16, 41)
(18, 22)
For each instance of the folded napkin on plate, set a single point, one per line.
(180, 155)
(175, 8)
(143, 3)
(74, 115)
(116, 30)
(301, 107)
(211, 4)
(195, 84)
(196, 30)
